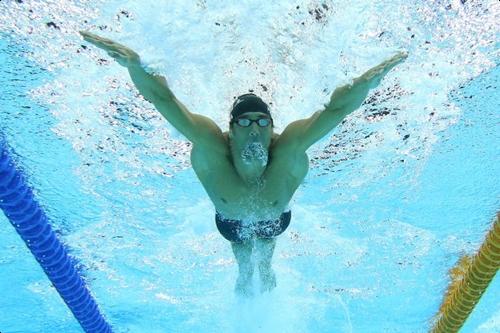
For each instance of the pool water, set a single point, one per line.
(394, 196)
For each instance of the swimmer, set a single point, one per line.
(249, 172)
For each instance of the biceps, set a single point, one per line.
(319, 127)
(205, 132)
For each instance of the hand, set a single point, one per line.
(350, 96)
(375, 75)
(122, 54)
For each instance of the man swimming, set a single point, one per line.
(250, 172)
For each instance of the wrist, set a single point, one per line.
(134, 62)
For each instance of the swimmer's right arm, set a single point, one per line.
(195, 127)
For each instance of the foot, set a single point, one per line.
(244, 286)
(267, 280)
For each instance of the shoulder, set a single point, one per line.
(284, 143)
(287, 151)
(217, 145)
(289, 158)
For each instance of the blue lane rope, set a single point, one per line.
(31, 223)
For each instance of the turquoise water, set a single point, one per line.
(394, 196)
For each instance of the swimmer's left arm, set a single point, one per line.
(344, 100)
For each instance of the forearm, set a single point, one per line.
(154, 88)
(349, 97)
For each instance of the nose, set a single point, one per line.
(254, 131)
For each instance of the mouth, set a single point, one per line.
(255, 152)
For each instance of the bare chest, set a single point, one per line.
(234, 198)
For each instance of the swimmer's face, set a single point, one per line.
(252, 127)
(251, 135)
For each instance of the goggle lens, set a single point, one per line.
(245, 122)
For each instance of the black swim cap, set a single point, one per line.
(249, 103)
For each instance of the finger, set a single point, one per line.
(397, 59)
(114, 55)
(401, 56)
(90, 35)
(97, 40)
(92, 39)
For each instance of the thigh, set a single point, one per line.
(265, 247)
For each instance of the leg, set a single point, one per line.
(265, 248)
(243, 253)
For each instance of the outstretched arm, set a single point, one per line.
(196, 128)
(344, 100)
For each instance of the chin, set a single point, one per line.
(256, 162)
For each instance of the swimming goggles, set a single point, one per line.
(245, 122)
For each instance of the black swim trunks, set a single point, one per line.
(237, 232)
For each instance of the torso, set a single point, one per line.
(234, 198)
